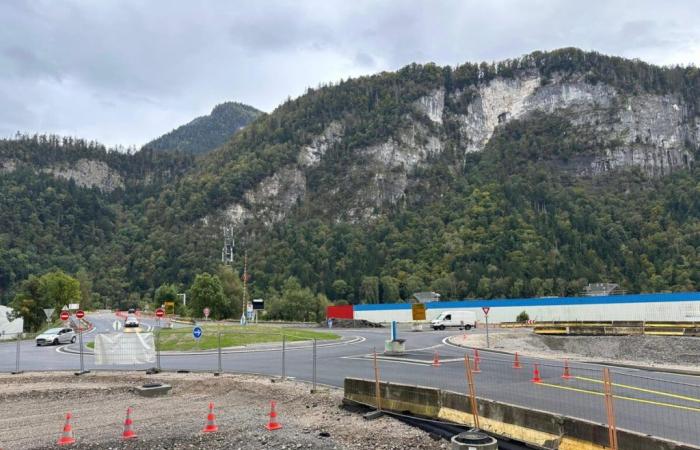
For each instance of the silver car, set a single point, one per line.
(55, 336)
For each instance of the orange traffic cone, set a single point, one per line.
(128, 423)
(273, 424)
(67, 435)
(436, 360)
(516, 362)
(567, 374)
(536, 375)
(476, 356)
(211, 426)
(476, 368)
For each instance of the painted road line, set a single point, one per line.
(620, 397)
(648, 391)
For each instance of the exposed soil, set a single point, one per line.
(34, 408)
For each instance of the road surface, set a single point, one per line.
(661, 404)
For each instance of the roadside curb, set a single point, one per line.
(694, 373)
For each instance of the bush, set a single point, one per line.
(522, 317)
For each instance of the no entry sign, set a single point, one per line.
(486, 310)
(65, 315)
(160, 313)
(80, 314)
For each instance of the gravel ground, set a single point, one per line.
(34, 407)
(654, 351)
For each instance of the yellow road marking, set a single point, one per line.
(649, 391)
(621, 397)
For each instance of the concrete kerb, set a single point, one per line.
(694, 373)
(534, 427)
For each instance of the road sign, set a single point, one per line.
(160, 313)
(206, 312)
(117, 325)
(170, 307)
(418, 311)
(80, 314)
(65, 315)
(258, 304)
(197, 332)
(486, 310)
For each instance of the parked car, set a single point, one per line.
(55, 336)
(131, 322)
(459, 319)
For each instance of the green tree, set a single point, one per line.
(85, 280)
(207, 292)
(341, 290)
(233, 288)
(58, 290)
(369, 289)
(165, 293)
(390, 289)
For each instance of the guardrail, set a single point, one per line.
(619, 328)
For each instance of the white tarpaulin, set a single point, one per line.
(124, 348)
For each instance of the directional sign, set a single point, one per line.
(418, 311)
(80, 314)
(117, 325)
(160, 313)
(206, 312)
(65, 315)
(486, 310)
(197, 332)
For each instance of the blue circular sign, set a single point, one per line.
(197, 332)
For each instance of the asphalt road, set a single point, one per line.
(662, 404)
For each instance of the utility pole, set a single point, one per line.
(245, 288)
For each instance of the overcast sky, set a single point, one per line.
(124, 72)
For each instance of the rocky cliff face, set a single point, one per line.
(657, 133)
(89, 173)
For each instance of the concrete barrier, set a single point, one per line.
(534, 427)
(618, 328)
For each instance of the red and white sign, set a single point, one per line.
(206, 312)
(80, 314)
(486, 310)
(65, 315)
(160, 313)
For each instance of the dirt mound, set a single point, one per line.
(353, 323)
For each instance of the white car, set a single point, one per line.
(55, 336)
(131, 322)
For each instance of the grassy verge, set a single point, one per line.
(180, 339)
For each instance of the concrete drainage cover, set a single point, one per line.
(474, 440)
(153, 390)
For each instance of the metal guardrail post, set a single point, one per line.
(80, 344)
(314, 368)
(219, 352)
(17, 353)
(284, 345)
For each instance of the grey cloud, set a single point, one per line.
(124, 71)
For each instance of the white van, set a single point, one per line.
(460, 319)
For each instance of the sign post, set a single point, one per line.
(159, 314)
(80, 314)
(486, 310)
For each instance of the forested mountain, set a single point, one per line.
(528, 177)
(206, 133)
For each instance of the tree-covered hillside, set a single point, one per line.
(517, 218)
(206, 133)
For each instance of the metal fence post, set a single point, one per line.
(219, 353)
(314, 367)
(377, 389)
(19, 340)
(284, 368)
(80, 344)
(158, 347)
